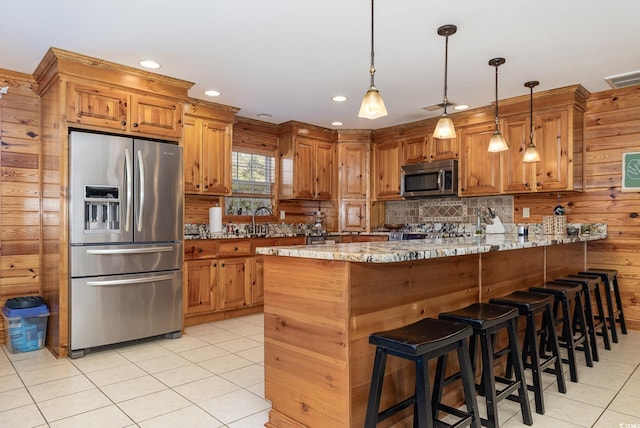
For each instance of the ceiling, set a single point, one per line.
(288, 58)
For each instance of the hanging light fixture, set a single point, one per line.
(531, 153)
(444, 127)
(372, 106)
(497, 142)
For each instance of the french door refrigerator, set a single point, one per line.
(125, 227)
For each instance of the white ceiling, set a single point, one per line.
(289, 57)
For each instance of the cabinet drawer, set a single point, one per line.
(263, 242)
(292, 240)
(235, 248)
(200, 249)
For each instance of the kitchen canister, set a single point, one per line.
(215, 219)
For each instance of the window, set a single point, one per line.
(253, 177)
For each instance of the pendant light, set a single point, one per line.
(531, 154)
(444, 127)
(372, 106)
(497, 142)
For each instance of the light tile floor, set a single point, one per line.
(213, 377)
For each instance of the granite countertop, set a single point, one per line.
(421, 249)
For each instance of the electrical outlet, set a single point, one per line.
(525, 212)
(282, 214)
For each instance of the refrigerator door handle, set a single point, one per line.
(141, 192)
(129, 186)
(129, 281)
(130, 251)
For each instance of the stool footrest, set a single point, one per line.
(396, 408)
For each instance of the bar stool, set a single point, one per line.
(591, 285)
(564, 294)
(616, 315)
(529, 305)
(488, 319)
(419, 342)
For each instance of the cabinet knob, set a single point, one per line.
(135, 125)
(539, 184)
(235, 248)
(215, 264)
(199, 250)
(222, 265)
(527, 185)
(123, 123)
(197, 186)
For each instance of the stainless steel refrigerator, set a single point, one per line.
(126, 229)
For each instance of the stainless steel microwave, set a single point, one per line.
(438, 178)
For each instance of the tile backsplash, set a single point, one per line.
(449, 210)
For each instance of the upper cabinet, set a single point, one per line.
(386, 170)
(425, 148)
(558, 127)
(104, 106)
(207, 148)
(479, 170)
(307, 157)
(353, 177)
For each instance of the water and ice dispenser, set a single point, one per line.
(101, 208)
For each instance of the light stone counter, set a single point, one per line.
(422, 249)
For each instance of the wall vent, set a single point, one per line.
(440, 106)
(623, 80)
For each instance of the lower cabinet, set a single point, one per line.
(201, 292)
(234, 282)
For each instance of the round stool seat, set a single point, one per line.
(481, 316)
(421, 337)
(525, 301)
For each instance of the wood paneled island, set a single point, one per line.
(322, 302)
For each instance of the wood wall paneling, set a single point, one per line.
(20, 224)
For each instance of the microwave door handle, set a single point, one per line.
(129, 188)
(141, 191)
(441, 180)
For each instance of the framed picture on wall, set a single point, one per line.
(631, 172)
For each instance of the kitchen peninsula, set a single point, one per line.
(322, 302)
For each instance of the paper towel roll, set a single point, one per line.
(215, 219)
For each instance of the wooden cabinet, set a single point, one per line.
(257, 281)
(386, 170)
(425, 148)
(353, 216)
(207, 156)
(234, 282)
(307, 161)
(479, 170)
(353, 170)
(444, 149)
(109, 107)
(307, 168)
(200, 286)
(553, 139)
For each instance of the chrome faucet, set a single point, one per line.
(253, 218)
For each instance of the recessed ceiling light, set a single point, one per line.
(337, 123)
(461, 107)
(263, 115)
(339, 98)
(212, 93)
(147, 63)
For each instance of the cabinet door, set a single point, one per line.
(479, 169)
(325, 173)
(353, 216)
(233, 282)
(303, 168)
(157, 116)
(415, 150)
(386, 174)
(200, 286)
(97, 105)
(216, 158)
(353, 170)
(517, 176)
(192, 154)
(552, 141)
(257, 289)
(444, 149)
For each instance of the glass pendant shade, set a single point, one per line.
(497, 143)
(531, 154)
(444, 129)
(372, 106)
